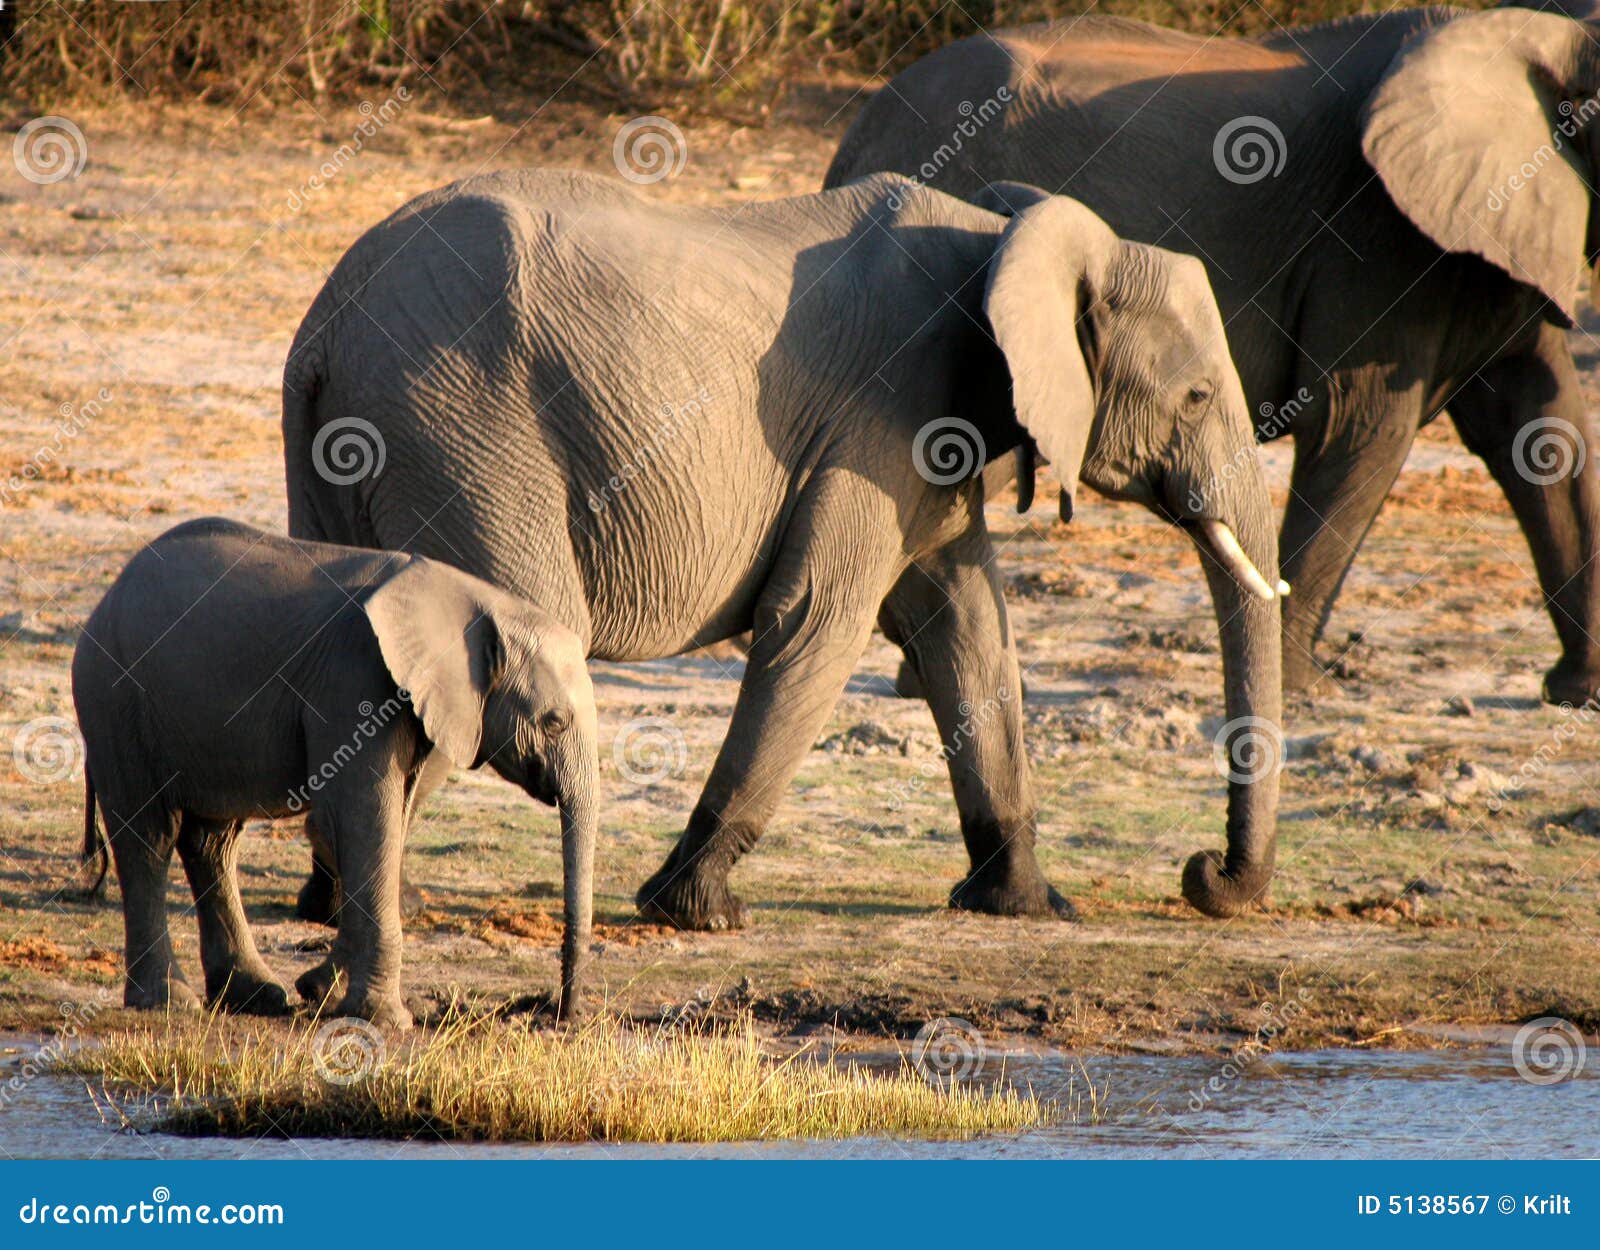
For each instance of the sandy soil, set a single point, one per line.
(147, 304)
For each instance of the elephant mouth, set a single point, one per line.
(1219, 541)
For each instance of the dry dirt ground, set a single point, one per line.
(169, 277)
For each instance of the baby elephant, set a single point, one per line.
(229, 673)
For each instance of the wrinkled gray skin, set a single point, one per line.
(1375, 274)
(669, 425)
(230, 674)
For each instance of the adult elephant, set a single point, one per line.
(1395, 211)
(667, 425)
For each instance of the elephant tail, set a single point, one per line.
(95, 859)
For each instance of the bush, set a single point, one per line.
(243, 52)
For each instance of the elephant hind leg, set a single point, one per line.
(812, 622)
(141, 845)
(237, 978)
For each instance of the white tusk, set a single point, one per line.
(1231, 556)
(1283, 589)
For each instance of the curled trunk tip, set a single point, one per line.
(1213, 889)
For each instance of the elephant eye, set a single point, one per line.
(555, 723)
(1199, 393)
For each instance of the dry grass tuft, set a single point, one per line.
(486, 1080)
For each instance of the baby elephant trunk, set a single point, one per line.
(578, 805)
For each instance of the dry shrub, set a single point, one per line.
(242, 51)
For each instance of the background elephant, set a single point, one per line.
(229, 674)
(669, 424)
(1395, 212)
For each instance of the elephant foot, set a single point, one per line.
(171, 994)
(318, 902)
(1212, 890)
(250, 993)
(1571, 685)
(998, 892)
(315, 985)
(690, 899)
(385, 1011)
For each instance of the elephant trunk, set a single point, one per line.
(578, 803)
(1250, 743)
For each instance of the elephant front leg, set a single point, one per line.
(366, 829)
(949, 615)
(811, 625)
(1527, 419)
(1340, 481)
(237, 978)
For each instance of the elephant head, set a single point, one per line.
(495, 681)
(1142, 402)
(1482, 130)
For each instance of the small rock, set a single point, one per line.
(1373, 759)
(1458, 705)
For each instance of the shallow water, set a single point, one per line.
(1319, 1104)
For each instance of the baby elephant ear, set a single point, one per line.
(438, 643)
(1051, 266)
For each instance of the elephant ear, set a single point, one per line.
(1049, 269)
(439, 644)
(1466, 131)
